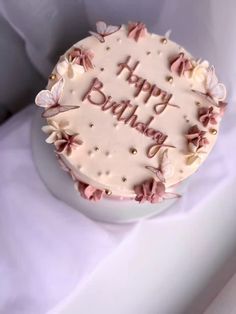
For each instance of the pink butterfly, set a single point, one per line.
(104, 30)
(215, 91)
(165, 168)
(49, 100)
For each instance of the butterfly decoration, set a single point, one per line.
(215, 91)
(136, 30)
(165, 169)
(49, 100)
(104, 30)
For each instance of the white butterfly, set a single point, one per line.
(165, 169)
(104, 30)
(49, 100)
(215, 91)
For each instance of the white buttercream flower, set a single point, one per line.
(69, 68)
(55, 130)
(199, 71)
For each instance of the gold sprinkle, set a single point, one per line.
(102, 69)
(124, 179)
(164, 41)
(52, 77)
(197, 103)
(181, 171)
(107, 154)
(108, 192)
(148, 53)
(96, 148)
(170, 79)
(133, 151)
(99, 173)
(213, 131)
(107, 173)
(91, 125)
(108, 48)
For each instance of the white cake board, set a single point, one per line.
(61, 186)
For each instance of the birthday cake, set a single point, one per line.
(131, 114)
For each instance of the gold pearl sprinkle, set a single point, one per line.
(91, 125)
(52, 77)
(213, 131)
(164, 41)
(170, 79)
(102, 69)
(108, 192)
(133, 151)
(96, 148)
(124, 179)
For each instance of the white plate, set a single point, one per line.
(61, 186)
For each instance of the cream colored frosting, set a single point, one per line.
(105, 159)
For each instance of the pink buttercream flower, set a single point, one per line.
(136, 30)
(206, 116)
(67, 143)
(82, 56)
(89, 192)
(152, 191)
(181, 64)
(196, 139)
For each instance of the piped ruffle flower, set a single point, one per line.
(207, 115)
(67, 143)
(181, 64)
(136, 30)
(82, 56)
(196, 139)
(152, 191)
(89, 192)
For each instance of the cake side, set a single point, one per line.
(131, 113)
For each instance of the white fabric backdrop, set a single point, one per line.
(46, 247)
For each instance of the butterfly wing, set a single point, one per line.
(111, 29)
(57, 90)
(218, 92)
(168, 195)
(66, 108)
(44, 99)
(51, 112)
(211, 79)
(98, 36)
(101, 27)
(166, 166)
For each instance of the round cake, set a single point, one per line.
(130, 113)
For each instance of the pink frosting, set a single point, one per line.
(180, 64)
(196, 137)
(136, 30)
(89, 192)
(83, 57)
(152, 191)
(207, 115)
